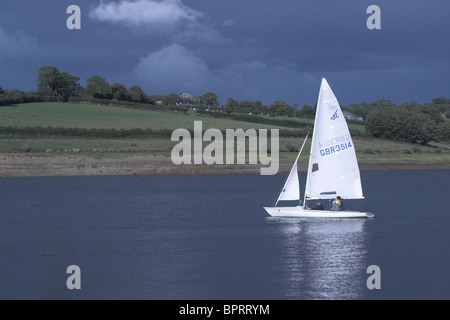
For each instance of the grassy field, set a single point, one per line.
(67, 115)
(369, 150)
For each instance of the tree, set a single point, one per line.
(376, 122)
(440, 100)
(120, 92)
(402, 124)
(444, 131)
(280, 108)
(136, 94)
(230, 105)
(360, 108)
(430, 110)
(98, 87)
(170, 99)
(259, 107)
(1, 90)
(54, 84)
(68, 85)
(245, 106)
(48, 81)
(307, 111)
(382, 103)
(363, 108)
(210, 99)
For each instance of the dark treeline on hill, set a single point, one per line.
(53, 85)
(409, 121)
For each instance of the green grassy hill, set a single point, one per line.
(71, 115)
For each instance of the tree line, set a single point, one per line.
(53, 85)
(410, 121)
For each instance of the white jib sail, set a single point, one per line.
(291, 189)
(333, 168)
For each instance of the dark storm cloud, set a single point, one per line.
(246, 49)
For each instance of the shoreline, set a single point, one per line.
(33, 166)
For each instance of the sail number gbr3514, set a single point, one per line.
(335, 145)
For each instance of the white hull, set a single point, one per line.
(300, 212)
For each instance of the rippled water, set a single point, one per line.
(208, 237)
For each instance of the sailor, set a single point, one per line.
(337, 204)
(317, 206)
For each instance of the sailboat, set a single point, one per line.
(332, 170)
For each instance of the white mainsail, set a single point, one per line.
(333, 168)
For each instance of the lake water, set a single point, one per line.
(208, 237)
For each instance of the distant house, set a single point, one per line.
(184, 103)
(351, 116)
(159, 103)
(185, 100)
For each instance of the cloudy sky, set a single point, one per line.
(245, 49)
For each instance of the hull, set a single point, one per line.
(300, 212)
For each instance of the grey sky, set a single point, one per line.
(245, 49)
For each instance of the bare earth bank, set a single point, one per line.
(30, 166)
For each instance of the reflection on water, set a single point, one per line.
(323, 259)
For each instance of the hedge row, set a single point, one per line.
(127, 104)
(111, 133)
(256, 119)
(84, 133)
